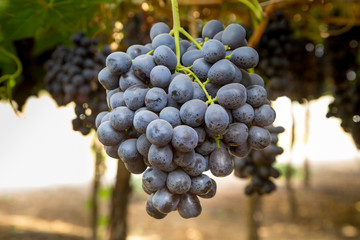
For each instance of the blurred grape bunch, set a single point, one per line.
(292, 66)
(258, 165)
(72, 76)
(343, 54)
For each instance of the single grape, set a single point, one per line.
(256, 95)
(220, 162)
(118, 62)
(142, 119)
(232, 96)
(259, 138)
(159, 132)
(207, 147)
(121, 118)
(211, 28)
(189, 206)
(161, 158)
(244, 114)
(171, 115)
(136, 50)
(108, 80)
(233, 36)
(129, 79)
(127, 151)
(197, 166)
(164, 39)
(190, 56)
(180, 88)
(256, 79)
(163, 55)
(99, 117)
(165, 201)
(201, 184)
(264, 115)
(160, 76)
(183, 159)
(108, 135)
(154, 179)
(136, 167)
(152, 211)
(178, 182)
(192, 112)
(213, 51)
(212, 191)
(134, 96)
(216, 118)
(117, 100)
(184, 138)
(245, 57)
(143, 145)
(241, 151)
(142, 66)
(222, 72)
(236, 135)
(156, 99)
(201, 68)
(158, 28)
(112, 151)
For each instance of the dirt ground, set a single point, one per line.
(328, 210)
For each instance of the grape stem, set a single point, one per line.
(176, 30)
(11, 83)
(255, 8)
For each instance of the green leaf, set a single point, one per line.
(24, 19)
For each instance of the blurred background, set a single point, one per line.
(56, 182)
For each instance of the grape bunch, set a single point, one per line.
(279, 50)
(343, 51)
(72, 76)
(180, 108)
(259, 166)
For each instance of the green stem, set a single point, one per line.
(18, 64)
(176, 28)
(257, 12)
(210, 100)
(217, 139)
(188, 36)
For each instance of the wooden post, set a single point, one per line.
(253, 216)
(119, 204)
(98, 173)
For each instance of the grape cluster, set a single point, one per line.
(258, 166)
(279, 50)
(72, 76)
(179, 109)
(343, 51)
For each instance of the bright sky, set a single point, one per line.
(39, 148)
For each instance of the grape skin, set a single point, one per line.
(192, 112)
(232, 96)
(159, 132)
(158, 28)
(163, 55)
(213, 51)
(160, 76)
(211, 28)
(222, 72)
